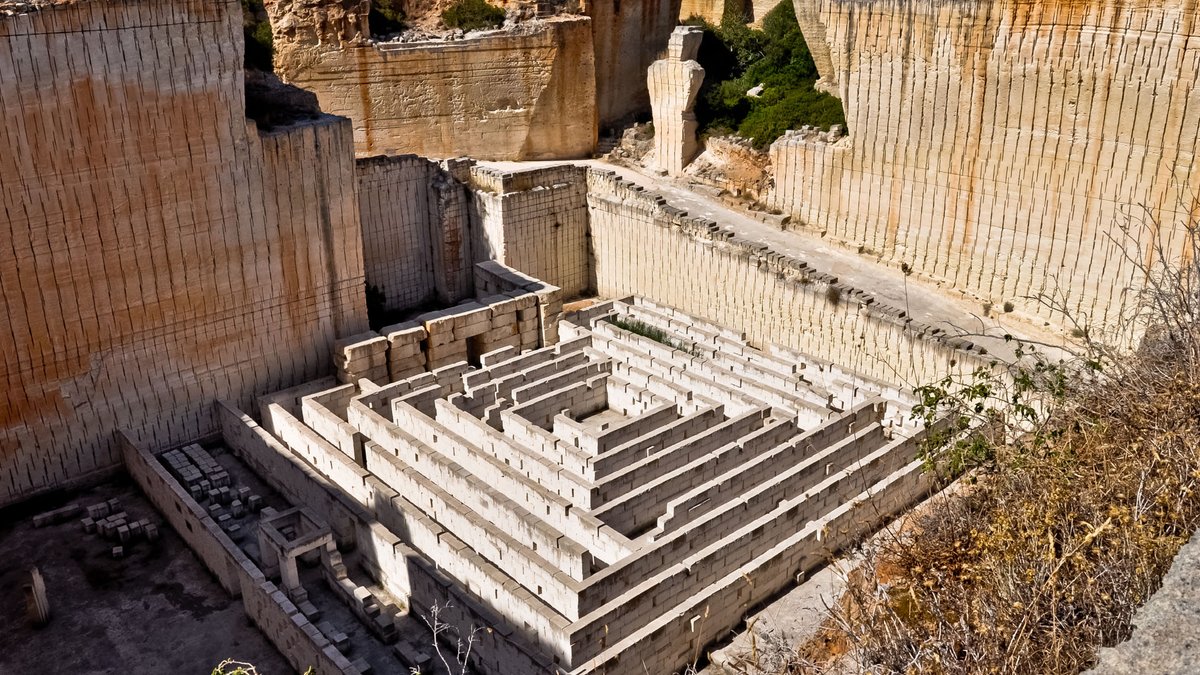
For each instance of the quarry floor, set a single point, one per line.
(924, 301)
(155, 611)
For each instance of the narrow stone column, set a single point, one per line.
(37, 606)
(674, 83)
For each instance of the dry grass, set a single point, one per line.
(1075, 502)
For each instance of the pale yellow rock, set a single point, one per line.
(503, 95)
(674, 83)
(159, 251)
(998, 146)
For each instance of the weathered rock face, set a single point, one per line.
(628, 35)
(158, 249)
(996, 145)
(732, 163)
(525, 93)
(713, 11)
(317, 23)
(674, 83)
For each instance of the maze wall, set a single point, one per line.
(615, 502)
(157, 248)
(998, 145)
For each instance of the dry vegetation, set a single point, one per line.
(1082, 486)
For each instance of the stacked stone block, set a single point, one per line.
(362, 356)
(595, 498)
(674, 84)
(492, 277)
(535, 221)
(405, 352)
(517, 313)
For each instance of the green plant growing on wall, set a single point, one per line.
(471, 15)
(737, 58)
(652, 333)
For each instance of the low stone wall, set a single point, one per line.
(297, 481)
(278, 618)
(520, 313)
(493, 278)
(392, 561)
(679, 636)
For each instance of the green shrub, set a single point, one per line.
(256, 29)
(737, 58)
(386, 17)
(472, 15)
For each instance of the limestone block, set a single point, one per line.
(37, 606)
(674, 83)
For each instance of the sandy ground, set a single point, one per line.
(156, 611)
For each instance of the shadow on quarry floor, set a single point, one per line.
(155, 611)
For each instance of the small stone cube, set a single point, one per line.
(118, 552)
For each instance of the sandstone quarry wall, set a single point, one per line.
(997, 145)
(526, 93)
(645, 247)
(415, 223)
(159, 251)
(628, 35)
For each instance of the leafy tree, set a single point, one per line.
(260, 47)
(737, 58)
(472, 15)
(386, 17)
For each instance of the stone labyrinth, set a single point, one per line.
(629, 492)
